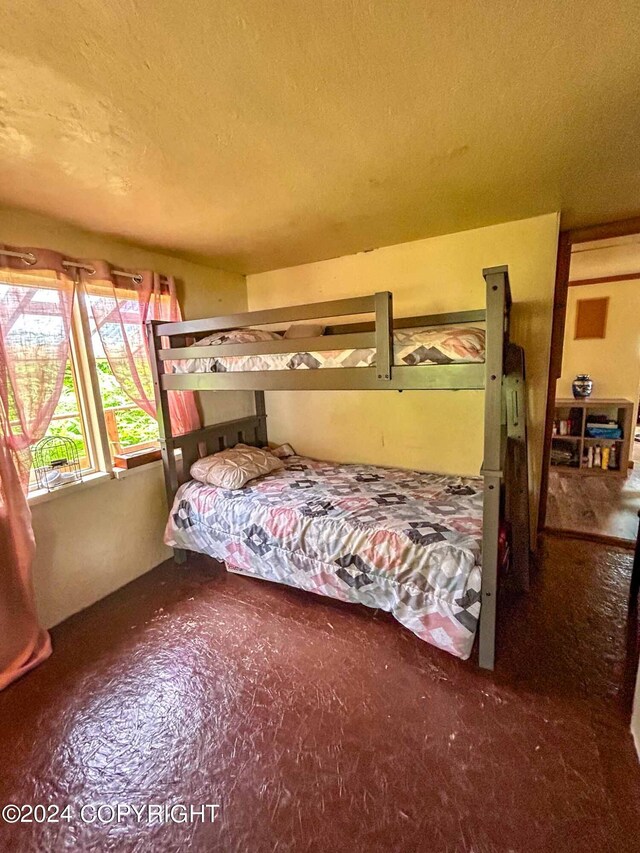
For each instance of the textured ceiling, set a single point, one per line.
(264, 133)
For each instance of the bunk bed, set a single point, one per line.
(181, 360)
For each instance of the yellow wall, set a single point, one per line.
(439, 431)
(613, 362)
(96, 540)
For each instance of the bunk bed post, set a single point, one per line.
(384, 334)
(167, 447)
(497, 297)
(261, 414)
(516, 472)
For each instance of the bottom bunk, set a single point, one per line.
(403, 541)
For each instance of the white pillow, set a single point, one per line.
(304, 330)
(233, 468)
(238, 336)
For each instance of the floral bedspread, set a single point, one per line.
(403, 541)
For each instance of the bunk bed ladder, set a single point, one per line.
(498, 303)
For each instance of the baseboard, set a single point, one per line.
(601, 538)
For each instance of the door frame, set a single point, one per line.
(568, 239)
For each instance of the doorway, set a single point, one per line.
(591, 464)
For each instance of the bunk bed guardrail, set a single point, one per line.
(376, 334)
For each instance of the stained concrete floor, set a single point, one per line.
(320, 726)
(607, 506)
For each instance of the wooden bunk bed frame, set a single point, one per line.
(502, 376)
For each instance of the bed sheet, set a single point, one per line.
(438, 345)
(403, 541)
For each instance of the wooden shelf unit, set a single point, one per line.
(617, 409)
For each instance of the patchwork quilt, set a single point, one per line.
(406, 542)
(438, 345)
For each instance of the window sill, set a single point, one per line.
(123, 473)
(42, 496)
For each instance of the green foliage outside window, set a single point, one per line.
(134, 425)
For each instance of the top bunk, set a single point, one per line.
(432, 352)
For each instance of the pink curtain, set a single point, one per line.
(35, 315)
(121, 307)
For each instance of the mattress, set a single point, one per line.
(406, 542)
(437, 345)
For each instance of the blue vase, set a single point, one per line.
(582, 386)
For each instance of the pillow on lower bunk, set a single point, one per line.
(233, 468)
(238, 336)
(282, 451)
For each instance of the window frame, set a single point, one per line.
(138, 454)
(81, 331)
(91, 407)
(86, 461)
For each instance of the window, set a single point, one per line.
(68, 419)
(78, 360)
(36, 316)
(93, 411)
(72, 416)
(129, 428)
